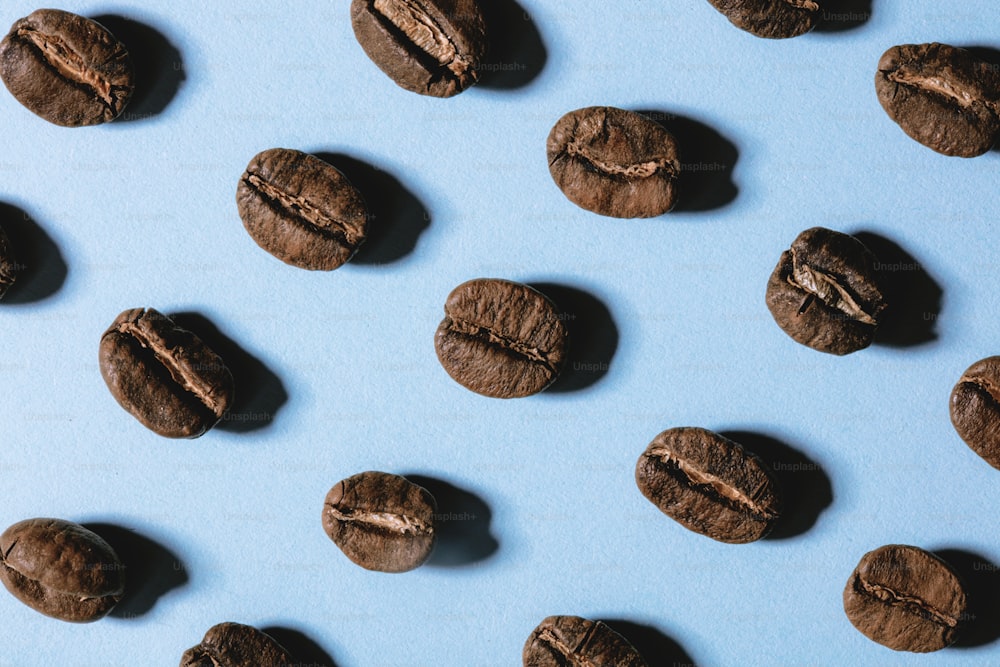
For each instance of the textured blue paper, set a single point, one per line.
(542, 498)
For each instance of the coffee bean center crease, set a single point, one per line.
(308, 214)
(413, 20)
(68, 63)
(828, 289)
(574, 658)
(473, 330)
(912, 604)
(637, 170)
(390, 521)
(184, 377)
(714, 486)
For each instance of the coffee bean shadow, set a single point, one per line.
(593, 336)
(805, 487)
(396, 218)
(158, 65)
(914, 297)
(259, 392)
(843, 15)
(517, 54)
(462, 522)
(300, 646)
(41, 267)
(981, 579)
(151, 570)
(656, 648)
(707, 161)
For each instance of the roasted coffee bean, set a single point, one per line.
(164, 375)
(236, 645)
(301, 209)
(61, 569)
(905, 598)
(943, 97)
(614, 162)
(975, 409)
(382, 522)
(774, 19)
(709, 484)
(825, 293)
(500, 338)
(568, 641)
(8, 265)
(65, 68)
(431, 47)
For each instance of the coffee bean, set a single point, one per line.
(943, 97)
(975, 409)
(774, 19)
(236, 645)
(568, 641)
(301, 209)
(164, 375)
(709, 484)
(905, 598)
(500, 338)
(8, 265)
(431, 47)
(67, 69)
(382, 522)
(61, 569)
(825, 293)
(614, 162)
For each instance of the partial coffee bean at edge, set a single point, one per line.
(8, 264)
(825, 292)
(237, 645)
(709, 484)
(61, 569)
(561, 641)
(301, 210)
(501, 339)
(165, 376)
(67, 69)
(614, 162)
(975, 409)
(382, 522)
(431, 47)
(772, 19)
(905, 598)
(941, 96)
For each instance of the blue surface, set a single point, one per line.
(548, 518)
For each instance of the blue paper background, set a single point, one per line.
(142, 213)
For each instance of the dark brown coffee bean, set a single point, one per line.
(943, 97)
(500, 338)
(905, 598)
(61, 569)
(301, 209)
(975, 409)
(825, 293)
(164, 375)
(614, 162)
(709, 484)
(571, 641)
(236, 645)
(65, 68)
(382, 522)
(774, 19)
(431, 47)
(8, 265)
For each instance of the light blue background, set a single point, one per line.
(143, 214)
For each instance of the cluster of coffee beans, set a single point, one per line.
(500, 338)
